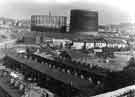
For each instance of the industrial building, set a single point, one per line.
(80, 21)
(83, 21)
(48, 23)
(44, 25)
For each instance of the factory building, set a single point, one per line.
(45, 25)
(83, 21)
(48, 23)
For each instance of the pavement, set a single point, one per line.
(126, 90)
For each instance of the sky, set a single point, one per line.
(110, 11)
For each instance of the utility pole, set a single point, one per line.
(131, 45)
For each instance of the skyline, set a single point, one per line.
(109, 13)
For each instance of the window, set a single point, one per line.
(68, 71)
(63, 70)
(90, 79)
(42, 62)
(35, 60)
(50, 66)
(53, 66)
(76, 74)
(58, 68)
(98, 82)
(90, 65)
(82, 76)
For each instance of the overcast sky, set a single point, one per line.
(110, 11)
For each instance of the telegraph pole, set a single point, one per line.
(131, 45)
